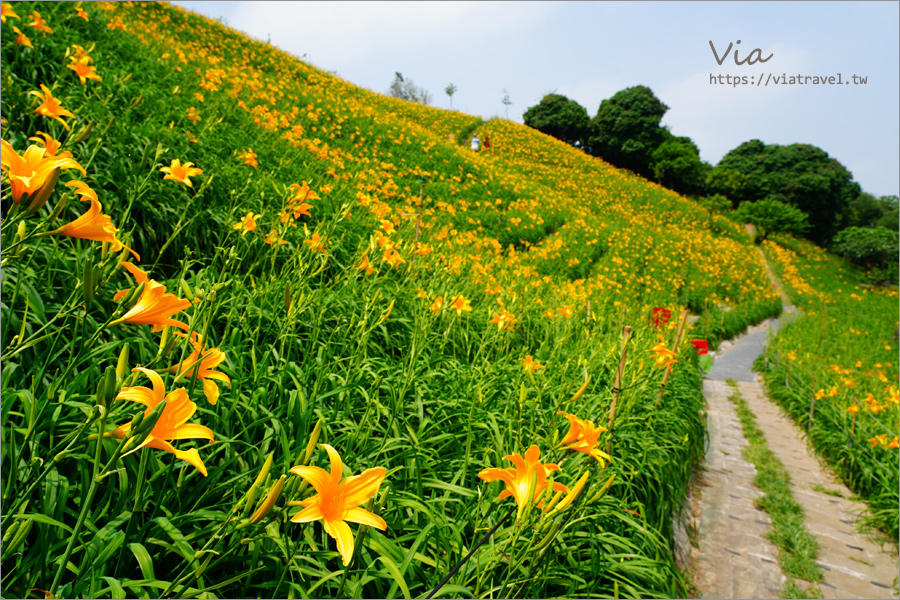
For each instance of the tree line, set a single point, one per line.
(796, 188)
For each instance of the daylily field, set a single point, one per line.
(268, 334)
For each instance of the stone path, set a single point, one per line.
(735, 559)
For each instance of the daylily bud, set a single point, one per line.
(21, 231)
(581, 390)
(554, 529)
(146, 425)
(387, 313)
(186, 289)
(269, 501)
(13, 527)
(106, 389)
(39, 198)
(57, 210)
(122, 365)
(604, 489)
(131, 298)
(572, 495)
(311, 444)
(86, 132)
(19, 537)
(87, 281)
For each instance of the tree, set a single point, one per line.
(875, 249)
(676, 164)
(626, 130)
(450, 90)
(405, 89)
(559, 117)
(801, 175)
(772, 216)
(506, 101)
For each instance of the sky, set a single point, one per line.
(588, 51)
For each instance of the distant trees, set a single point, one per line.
(560, 117)
(797, 188)
(772, 216)
(450, 90)
(405, 89)
(801, 175)
(874, 248)
(626, 129)
(676, 164)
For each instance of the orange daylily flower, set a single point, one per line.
(664, 356)
(92, 225)
(21, 38)
(6, 10)
(582, 437)
(29, 172)
(503, 319)
(273, 237)
(336, 502)
(80, 12)
(249, 157)
(155, 306)
(392, 257)
(852, 409)
(530, 365)
(140, 276)
(38, 23)
(181, 173)
(518, 479)
(316, 242)
(51, 145)
(460, 304)
(437, 304)
(84, 70)
(365, 266)
(79, 53)
(205, 369)
(248, 223)
(50, 107)
(172, 424)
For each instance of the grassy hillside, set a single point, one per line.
(835, 371)
(340, 272)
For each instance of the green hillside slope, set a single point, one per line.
(342, 278)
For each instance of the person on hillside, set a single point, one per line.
(475, 143)
(487, 143)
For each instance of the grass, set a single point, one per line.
(834, 370)
(797, 548)
(382, 296)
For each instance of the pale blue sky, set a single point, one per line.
(590, 50)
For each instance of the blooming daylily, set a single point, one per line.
(518, 479)
(80, 12)
(530, 365)
(664, 356)
(172, 424)
(50, 107)
(460, 304)
(336, 502)
(248, 223)
(21, 38)
(6, 10)
(583, 436)
(437, 304)
(249, 157)
(51, 145)
(155, 306)
(181, 173)
(205, 369)
(84, 70)
(28, 173)
(92, 225)
(503, 319)
(38, 23)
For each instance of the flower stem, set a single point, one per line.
(453, 571)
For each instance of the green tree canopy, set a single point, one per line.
(801, 175)
(873, 248)
(772, 216)
(676, 164)
(559, 117)
(626, 129)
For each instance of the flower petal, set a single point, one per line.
(364, 517)
(340, 531)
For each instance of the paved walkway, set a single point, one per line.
(736, 560)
